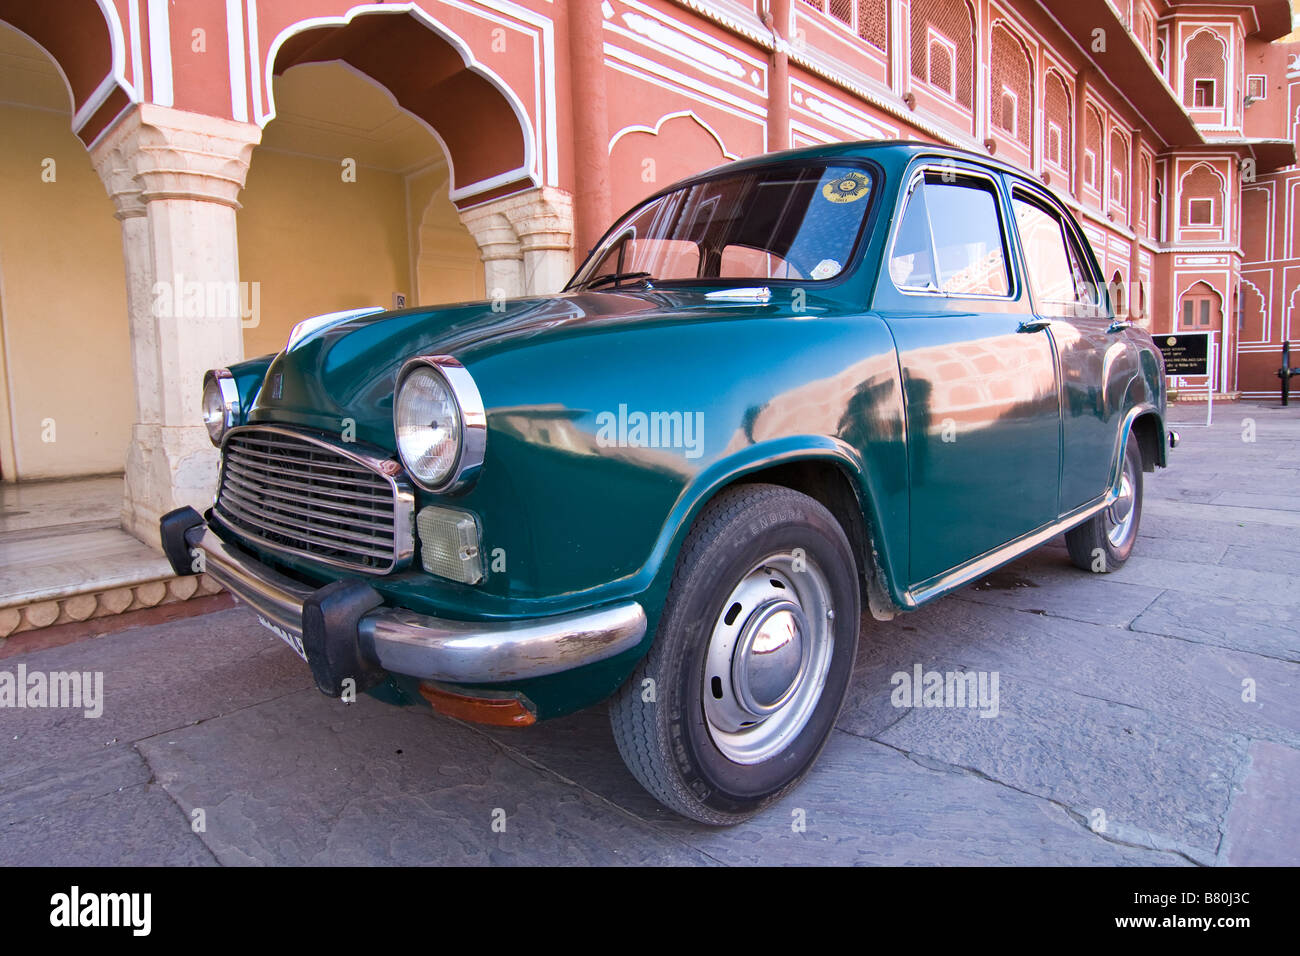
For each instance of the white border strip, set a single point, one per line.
(160, 53)
(238, 72)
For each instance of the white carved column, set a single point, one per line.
(174, 177)
(498, 246)
(525, 241)
(543, 220)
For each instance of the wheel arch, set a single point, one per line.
(829, 473)
(1147, 427)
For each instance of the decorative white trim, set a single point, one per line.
(679, 114)
(529, 170)
(618, 54)
(160, 54)
(238, 71)
(94, 101)
(118, 41)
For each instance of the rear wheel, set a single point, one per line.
(752, 659)
(1105, 541)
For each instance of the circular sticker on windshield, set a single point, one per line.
(847, 188)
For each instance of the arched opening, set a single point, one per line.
(1011, 83)
(1118, 295)
(480, 123)
(1200, 309)
(85, 40)
(347, 205)
(63, 309)
(1058, 124)
(1202, 197)
(1203, 71)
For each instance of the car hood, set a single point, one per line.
(349, 369)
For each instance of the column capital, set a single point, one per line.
(156, 152)
(534, 227)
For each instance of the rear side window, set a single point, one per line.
(1057, 273)
(950, 239)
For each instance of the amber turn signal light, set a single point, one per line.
(497, 711)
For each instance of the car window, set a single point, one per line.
(754, 263)
(1056, 267)
(950, 239)
(783, 222)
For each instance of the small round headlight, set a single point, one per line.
(220, 403)
(439, 422)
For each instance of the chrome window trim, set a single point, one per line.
(1043, 197)
(229, 400)
(473, 422)
(966, 172)
(389, 469)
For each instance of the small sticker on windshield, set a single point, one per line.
(848, 188)
(826, 269)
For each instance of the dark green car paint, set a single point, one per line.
(843, 373)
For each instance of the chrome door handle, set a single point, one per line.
(1036, 324)
(1118, 325)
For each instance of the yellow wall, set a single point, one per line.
(447, 263)
(318, 244)
(66, 347)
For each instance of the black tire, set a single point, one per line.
(667, 741)
(1093, 545)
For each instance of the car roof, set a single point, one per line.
(888, 151)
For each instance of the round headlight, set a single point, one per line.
(220, 403)
(439, 422)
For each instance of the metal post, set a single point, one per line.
(1213, 358)
(1285, 373)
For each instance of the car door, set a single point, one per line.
(1068, 296)
(979, 374)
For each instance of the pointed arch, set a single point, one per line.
(448, 88)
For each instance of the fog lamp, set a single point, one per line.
(449, 544)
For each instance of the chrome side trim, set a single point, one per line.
(473, 421)
(992, 560)
(389, 469)
(459, 652)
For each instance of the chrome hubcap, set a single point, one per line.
(767, 659)
(1119, 516)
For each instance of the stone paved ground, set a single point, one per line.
(1120, 698)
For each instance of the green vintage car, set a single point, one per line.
(796, 387)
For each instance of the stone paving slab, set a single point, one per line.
(371, 784)
(1265, 819)
(1152, 779)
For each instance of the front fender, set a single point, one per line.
(581, 513)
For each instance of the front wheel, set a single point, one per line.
(752, 658)
(1105, 541)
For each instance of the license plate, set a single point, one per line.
(293, 640)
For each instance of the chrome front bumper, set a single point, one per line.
(398, 640)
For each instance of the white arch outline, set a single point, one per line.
(1013, 31)
(527, 171)
(1263, 299)
(1182, 64)
(678, 114)
(1224, 196)
(116, 75)
(1067, 161)
(1213, 288)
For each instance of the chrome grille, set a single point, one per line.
(296, 494)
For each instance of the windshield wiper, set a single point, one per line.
(617, 277)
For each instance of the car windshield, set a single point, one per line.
(799, 223)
